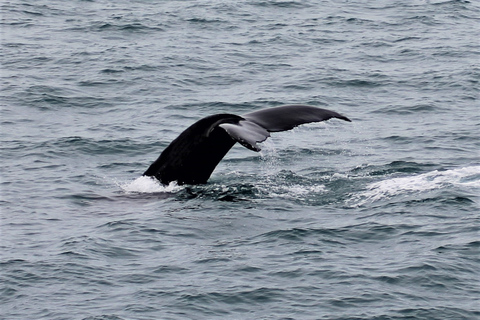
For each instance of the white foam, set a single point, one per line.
(337, 176)
(293, 191)
(146, 184)
(463, 177)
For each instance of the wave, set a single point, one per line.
(281, 4)
(103, 26)
(467, 177)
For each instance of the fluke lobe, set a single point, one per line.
(192, 157)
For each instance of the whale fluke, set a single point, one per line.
(194, 154)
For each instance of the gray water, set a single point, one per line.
(374, 219)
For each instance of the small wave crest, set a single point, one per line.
(146, 184)
(468, 177)
(296, 191)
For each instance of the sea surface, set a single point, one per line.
(374, 219)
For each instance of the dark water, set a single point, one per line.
(374, 219)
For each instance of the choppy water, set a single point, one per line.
(374, 219)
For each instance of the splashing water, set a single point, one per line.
(462, 177)
(146, 184)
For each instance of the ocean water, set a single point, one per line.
(373, 219)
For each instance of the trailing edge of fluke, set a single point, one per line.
(194, 154)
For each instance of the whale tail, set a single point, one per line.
(194, 154)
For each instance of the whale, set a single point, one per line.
(194, 154)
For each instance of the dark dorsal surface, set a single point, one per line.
(192, 157)
(194, 154)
